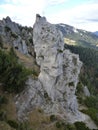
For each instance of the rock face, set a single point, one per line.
(86, 91)
(21, 38)
(54, 90)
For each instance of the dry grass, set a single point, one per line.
(10, 107)
(6, 47)
(69, 41)
(5, 126)
(38, 120)
(28, 62)
(10, 110)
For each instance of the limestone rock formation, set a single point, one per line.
(86, 91)
(17, 36)
(54, 90)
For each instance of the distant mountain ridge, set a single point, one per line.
(96, 33)
(78, 36)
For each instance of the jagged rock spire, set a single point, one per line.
(58, 78)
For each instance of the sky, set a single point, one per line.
(82, 14)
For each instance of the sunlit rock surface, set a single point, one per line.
(54, 90)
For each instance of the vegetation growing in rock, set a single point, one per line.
(60, 51)
(81, 126)
(1, 41)
(71, 84)
(76, 126)
(7, 29)
(3, 100)
(14, 35)
(53, 118)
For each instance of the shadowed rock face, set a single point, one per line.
(54, 90)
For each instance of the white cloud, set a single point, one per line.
(84, 16)
(55, 2)
(22, 11)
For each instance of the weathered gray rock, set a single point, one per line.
(17, 36)
(56, 84)
(86, 91)
(30, 98)
(12, 25)
(24, 47)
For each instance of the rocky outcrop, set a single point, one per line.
(17, 36)
(54, 90)
(86, 91)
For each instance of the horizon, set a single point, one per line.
(80, 14)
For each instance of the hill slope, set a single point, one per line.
(78, 37)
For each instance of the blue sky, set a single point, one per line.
(81, 14)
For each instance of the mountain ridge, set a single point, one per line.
(80, 37)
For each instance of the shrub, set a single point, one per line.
(2, 115)
(93, 113)
(14, 35)
(71, 83)
(46, 95)
(52, 118)
(24, 126)
(7, 29)
(79, 88)
(81, 126)
(92, 102)
(60, 51)
(30, 40)
(1, 41)
(12, 123)
(3, 100)
(35, 73)
(12, 74)
(70, 127)
(58, 124)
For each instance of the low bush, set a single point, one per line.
(93, 113)
(52, 118)
(14, 35)
(1, 41)
(58, 124)
(81, 126)
(12, 123)
(24, 126)
(70, 127)
(92, 101)
(7, 29)
(3, 100)
(12, 74)
(71, 83)
(2, 115)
